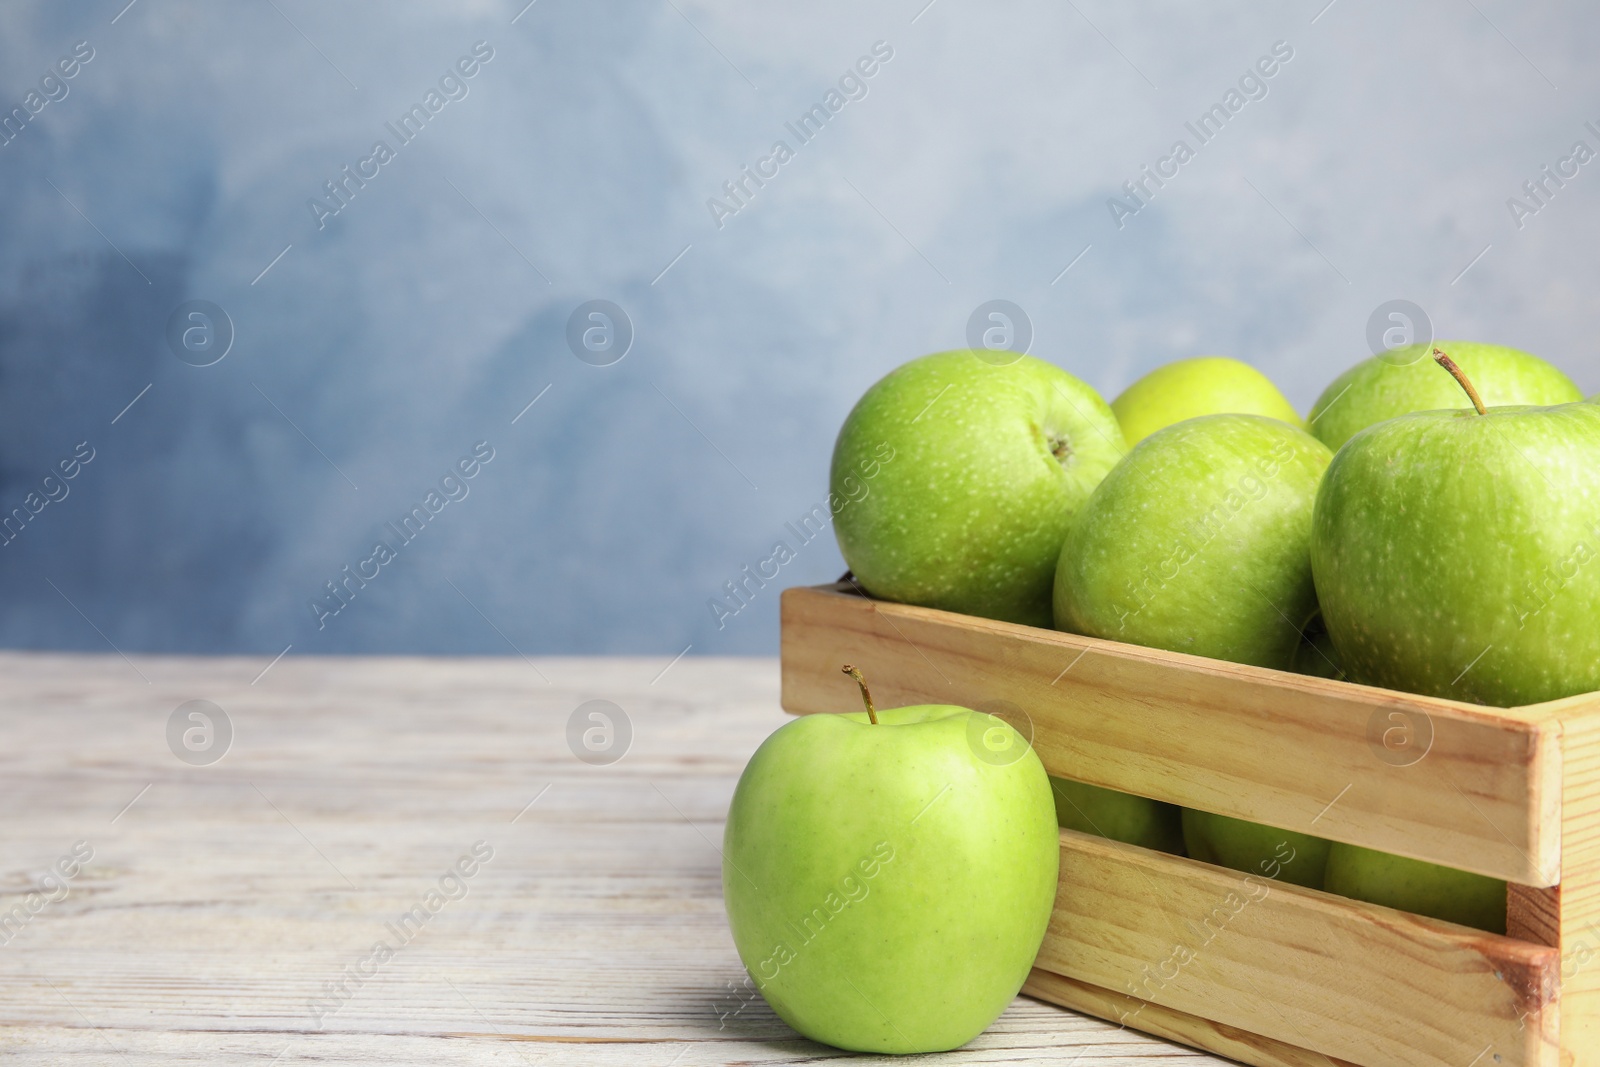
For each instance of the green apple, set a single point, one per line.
(1457, 554)
(1404, 380)
(1093, 809)
(1415, 886)
(1248, 846)
(889, 876)
(954, 479)
(1199, 542)
(1189, 388)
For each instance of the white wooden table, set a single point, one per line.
(222, 899)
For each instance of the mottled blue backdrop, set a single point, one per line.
(385, 326)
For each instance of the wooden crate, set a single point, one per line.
(1291, 976)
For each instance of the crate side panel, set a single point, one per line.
(1475, 788)
(1350, 980)
(1191, 1030)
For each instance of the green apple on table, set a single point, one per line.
(1415, 886)
(1093, 809)
(889, 875)
(1267, 851)
(1457, 553)
(1189, 388)
(986, 466)
(1405, 379)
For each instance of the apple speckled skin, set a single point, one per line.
(1199, 542)
(1458, 555)
(1416, 886)
(887, 887)
(1190, 388)
(989, 465)
(1407, 380)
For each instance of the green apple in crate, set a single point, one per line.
(889, 875)
(1189, 388)
(1199, 542)
(1415, 886)
(1457, 553)
(1267, 851)
(1093, 809)
(1405, 380)
(987, 464)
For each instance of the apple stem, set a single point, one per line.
(866, 694)
(1466, 383)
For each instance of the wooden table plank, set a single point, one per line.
(221, 900)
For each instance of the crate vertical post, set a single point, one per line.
(1568, 915)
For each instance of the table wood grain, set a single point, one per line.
(223, 903)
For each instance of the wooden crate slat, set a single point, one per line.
(1193, 1030)
(1293, 751)
(1306, 969)
(1534, 914)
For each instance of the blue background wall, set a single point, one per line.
(430, 310)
